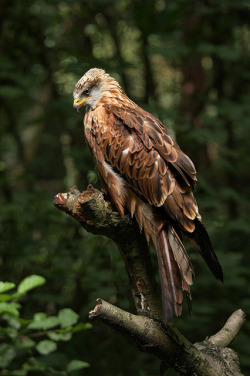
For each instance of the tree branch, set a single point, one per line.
(208, 358)
(96, 216)
(149, 335)
(230, 330)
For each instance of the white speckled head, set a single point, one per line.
(89, 89)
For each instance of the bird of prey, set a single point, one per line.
(145, 173)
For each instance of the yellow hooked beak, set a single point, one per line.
(79, 103)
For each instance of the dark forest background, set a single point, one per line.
(188, 63)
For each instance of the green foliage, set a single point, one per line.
(29, 283)
(22, 347)
(186, 62)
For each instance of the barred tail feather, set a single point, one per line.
(175, 271)
(183, 261)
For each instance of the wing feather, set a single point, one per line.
(139, 147)
(153, 130)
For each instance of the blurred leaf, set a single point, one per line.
(11, 308)
(30, 283)
(26, 342)
(82, 326)
(7, 354)
(60, 336)
(39, 316)
(5, 297)
(44, 323)
(45, 347)
(5, 286)
(75, 365)
(13, 321)
(67, 317)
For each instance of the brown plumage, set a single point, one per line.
(145, 172)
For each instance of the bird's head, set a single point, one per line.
(92, 87)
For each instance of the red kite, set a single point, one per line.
(145, 173)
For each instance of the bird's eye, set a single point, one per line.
(86, 92)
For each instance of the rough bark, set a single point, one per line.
(208, 358)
